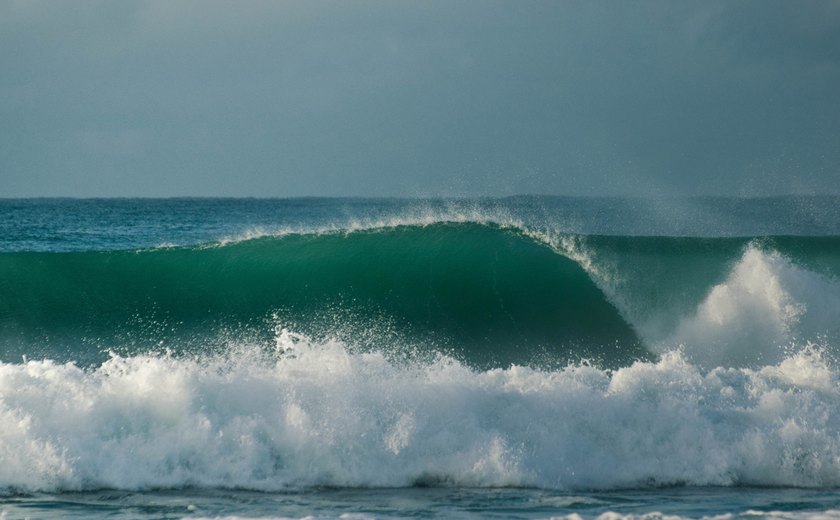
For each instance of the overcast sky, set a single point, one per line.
(454, 97)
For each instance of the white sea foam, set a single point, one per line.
(766, 304)
(316, 414)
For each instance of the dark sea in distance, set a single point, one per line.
(521, 357)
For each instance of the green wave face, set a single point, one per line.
(489, 295)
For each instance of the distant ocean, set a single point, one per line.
(523, 357)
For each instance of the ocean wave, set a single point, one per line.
(491, 294)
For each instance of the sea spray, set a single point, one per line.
(760, 310)
(724, 302)
(315, 414)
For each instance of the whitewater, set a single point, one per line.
(528, 357)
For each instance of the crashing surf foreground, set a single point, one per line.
(321, 416)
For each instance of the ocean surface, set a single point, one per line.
(523, 357)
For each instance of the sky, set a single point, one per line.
(166, 98)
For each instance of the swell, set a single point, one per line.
(492, 296)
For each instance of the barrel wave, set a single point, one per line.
(489, 295)
(454, 349)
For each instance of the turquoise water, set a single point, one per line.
(526, 357)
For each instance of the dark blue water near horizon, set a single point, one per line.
(519, 357)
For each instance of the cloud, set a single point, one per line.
(393, 98)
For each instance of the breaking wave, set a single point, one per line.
(439, 353)
(315, 414)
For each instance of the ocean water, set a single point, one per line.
(525, 357)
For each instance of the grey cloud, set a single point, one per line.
(440, 97)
